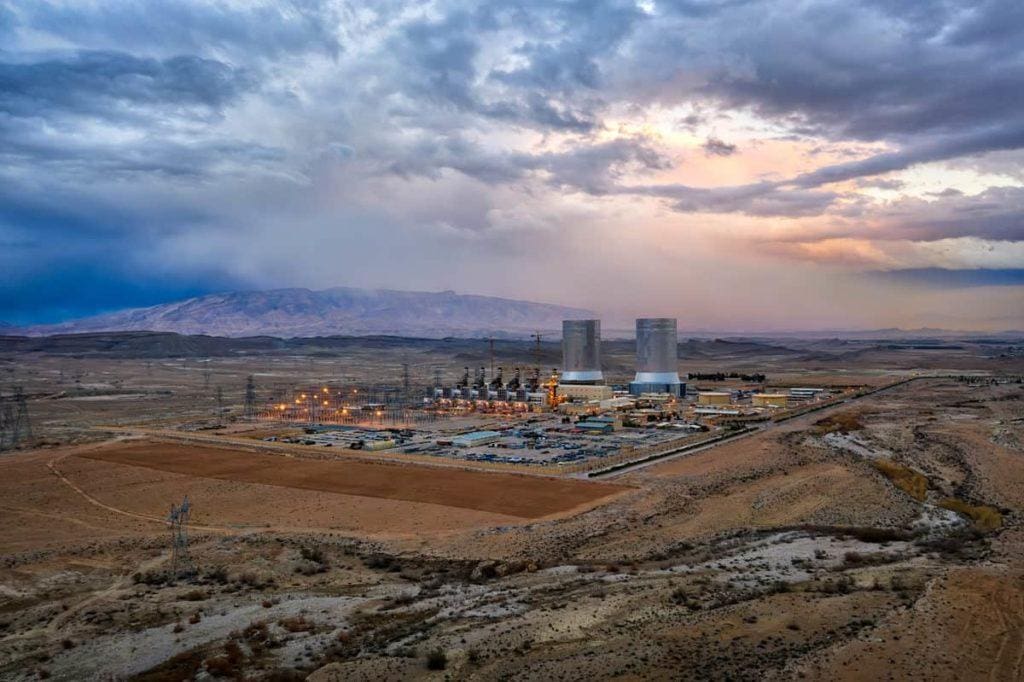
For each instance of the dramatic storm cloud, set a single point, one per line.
(742, 165)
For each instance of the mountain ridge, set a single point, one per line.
(338, 310)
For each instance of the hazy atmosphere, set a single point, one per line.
(740, 165)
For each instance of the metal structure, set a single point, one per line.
(250, 397)
(657, 362)
(181, 562)
(533, 381)
(219, 396)
(353, 404)
(15, 425)
(581, 352)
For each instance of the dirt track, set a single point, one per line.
(527, 497)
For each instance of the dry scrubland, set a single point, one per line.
(878, 540)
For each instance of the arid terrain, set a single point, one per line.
(878, 539)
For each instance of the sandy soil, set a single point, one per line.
(969, 625)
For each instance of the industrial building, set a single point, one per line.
(657, 364)
(585, 392)
(714, 398)
(769, 400)
(595, 427)
(802, 394)
(475, 438)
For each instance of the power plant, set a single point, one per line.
(581, 377)
(581, 352)
(657, 364)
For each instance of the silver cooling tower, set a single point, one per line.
(657, 365)
(581, 352)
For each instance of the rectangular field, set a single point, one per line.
(527, 497)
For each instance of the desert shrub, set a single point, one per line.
(217, 574)
(314, 554)
(437, 659)
(296, 624)
(844, 422)
(152, 578)
(876, 535)
(194, 595)
(377, 562)
(220, 666)
(906, 479)
(985, 518)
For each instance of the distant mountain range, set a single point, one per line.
(343, 310)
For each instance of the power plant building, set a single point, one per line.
(581, 352)
(714, 398)
(769, 399)
(657, 364)
(585, 392)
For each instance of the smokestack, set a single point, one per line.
(581, 352)
(657, 363)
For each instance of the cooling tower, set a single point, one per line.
(656, 360)
(581, 352)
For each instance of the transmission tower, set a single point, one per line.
(250, 397)
(15, 425)
(6, 426)
(22, 424)
(181, 562)
(220, 405)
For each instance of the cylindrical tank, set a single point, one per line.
(581, 352)
(657, 366)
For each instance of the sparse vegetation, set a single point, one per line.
(297, 624)
(985, 518)
(842, 422)
(437, 660)
(906, 479)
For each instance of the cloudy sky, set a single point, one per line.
(741, 165)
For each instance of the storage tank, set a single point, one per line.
(581, 352)
(657, 364)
